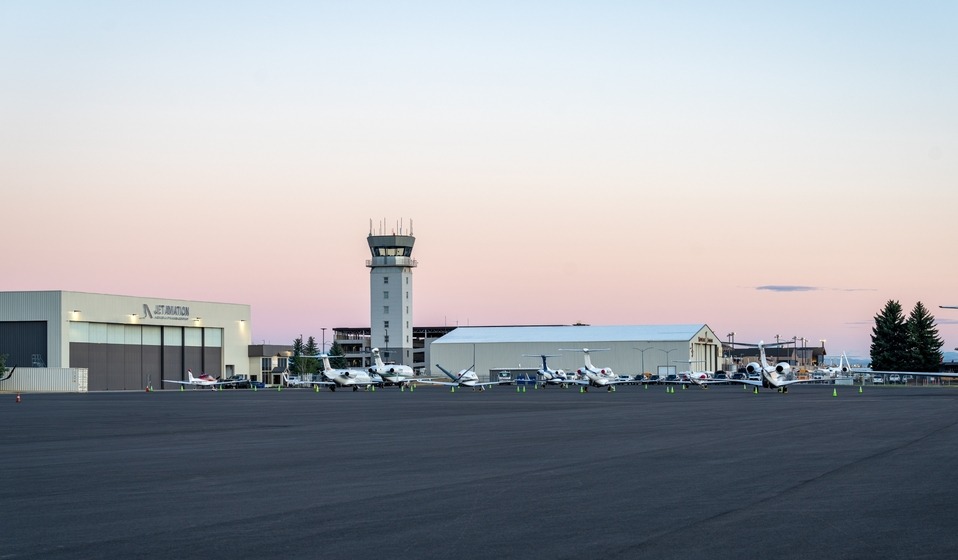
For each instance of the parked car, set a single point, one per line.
(720, 376)
(894, 378)
(878, 380)
(238, 382)
(738, 375)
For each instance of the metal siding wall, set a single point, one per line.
(133, 366)
(193, 359)
(213, 359)
(173, 363)
(153, 365)
(21, 339)
(46, 380)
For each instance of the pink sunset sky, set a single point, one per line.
(770, 170)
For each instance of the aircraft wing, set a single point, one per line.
(316, 383)
(753, 382)
(486, 383)
(434, 382)
(180, 382)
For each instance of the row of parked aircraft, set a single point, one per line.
(761, 374)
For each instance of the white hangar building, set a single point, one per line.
(123, 342)
(632, 349)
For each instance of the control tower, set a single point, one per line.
(390, 292)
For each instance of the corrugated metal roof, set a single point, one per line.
(652, 333)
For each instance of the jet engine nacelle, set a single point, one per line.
(392, 370)
(783, 368)
(753, 367)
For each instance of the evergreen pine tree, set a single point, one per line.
(924, 344)
(337, 362)
(311, 349)
(295, 363)
(889, 339)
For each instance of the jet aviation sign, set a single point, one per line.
(162, 311)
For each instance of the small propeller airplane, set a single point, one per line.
(204, 380)
(465, 378)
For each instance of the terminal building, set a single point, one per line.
(497, 353)
(123, 342)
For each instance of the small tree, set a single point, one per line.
(924, 344)
(295, 363)
(337, 362)
(889, 339)
(311, 349)
(3, 364)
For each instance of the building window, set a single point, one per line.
(386, 339)
(385, 324)
(385, 295)
(266, 365)
(282, 363)
(407, 295)
(385, 310)
(385, 279)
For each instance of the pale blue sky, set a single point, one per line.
(622, 162)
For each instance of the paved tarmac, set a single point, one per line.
(550, 473)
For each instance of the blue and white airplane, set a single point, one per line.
(465, 378)
(548, 375)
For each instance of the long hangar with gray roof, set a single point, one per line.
(632, 349)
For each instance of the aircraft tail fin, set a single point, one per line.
(378, 359)
(448, 373)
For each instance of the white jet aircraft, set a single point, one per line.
(591, 375)
(775, 377)
(294, 381)
(465, 378)
(392, 374)
(345, 377)
(548, 375)
(204, 380)
(842, 368)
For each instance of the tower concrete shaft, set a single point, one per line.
(390, 295)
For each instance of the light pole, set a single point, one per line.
(642, 350)
(731, 347)
(667, 354)
(822, 341)
(323, 349)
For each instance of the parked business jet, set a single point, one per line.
(204, 380)
(778, 376)
(345, 377)
(701, 378)
(391, 374)
(548, 375)
(589, 375)
(843, 367)
(465, 378)
(294, 381)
